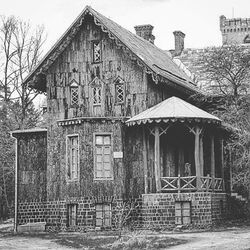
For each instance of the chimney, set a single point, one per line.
(145, 31)
(179, 41)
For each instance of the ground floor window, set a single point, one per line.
(103, 215)
(182, 212)
(72, 215)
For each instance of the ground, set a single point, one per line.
(234, 236)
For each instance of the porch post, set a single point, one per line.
(201, 156)
(145, 161)
(212, 161)
(157, 159)
(197, 156)
(222, 162)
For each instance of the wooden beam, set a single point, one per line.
(145, 160)
(201, 156)
(157, 159)
(197, 155)
(222, 162)
(212, 161)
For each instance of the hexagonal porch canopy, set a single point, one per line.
(170, 111)
(173, 109)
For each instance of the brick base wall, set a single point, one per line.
(158, 210)
(151, 211)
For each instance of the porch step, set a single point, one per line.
(238, 197)
(32, 227)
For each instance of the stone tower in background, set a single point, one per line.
(235, 30)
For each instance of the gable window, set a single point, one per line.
(72, 214)
(182, 212)
(97, 95)
(119, 90)
(103, 215)
(74, 95)
(72, 157)
(102, 157)
(96, 51)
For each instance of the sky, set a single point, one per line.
(198, 19)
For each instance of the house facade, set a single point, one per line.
(119, 128)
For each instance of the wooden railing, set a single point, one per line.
(190, 183)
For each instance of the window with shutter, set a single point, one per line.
(103, 215)
(102, 156)
(182, 212)
(72, 157)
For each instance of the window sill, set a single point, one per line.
(103, 179)
(72, 180)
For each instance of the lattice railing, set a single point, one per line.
(189, 183)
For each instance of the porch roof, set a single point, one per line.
(171, 110)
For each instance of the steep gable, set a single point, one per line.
(156, 61)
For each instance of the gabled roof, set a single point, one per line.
(156, 61)
(171, 110)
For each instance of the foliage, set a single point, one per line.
(227, 70)
(126, 213)
(20, 50)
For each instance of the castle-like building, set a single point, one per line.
(235, 30)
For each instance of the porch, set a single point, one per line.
(182, 148)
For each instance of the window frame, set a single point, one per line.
(119, 82)
(104, 212)
(74, 85)
(69, 214)
(182, 213)
(68, 166)
(111, 156)
(100, 96)
(93, 48)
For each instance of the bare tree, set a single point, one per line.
(21, 49)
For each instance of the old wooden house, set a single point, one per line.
(119, 127)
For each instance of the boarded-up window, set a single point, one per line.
(72, 215)
(72, 157)
(182, 212)
(103, 215)
(96, 51)
(97, 95)
(102, 154)
(27, 177)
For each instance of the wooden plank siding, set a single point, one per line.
(32, 164)
(75, 64)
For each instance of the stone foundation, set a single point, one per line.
(151, 211)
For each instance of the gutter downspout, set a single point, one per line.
(16, 186)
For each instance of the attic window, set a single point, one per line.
(97, 95)
(96, 51)
(74, 96)
(119, 90)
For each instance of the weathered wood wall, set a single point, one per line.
(59, 187)
(75, 64)
(32, 166)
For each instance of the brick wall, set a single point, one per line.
(158, 210)
(152, 211)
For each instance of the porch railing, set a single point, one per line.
(190, 183)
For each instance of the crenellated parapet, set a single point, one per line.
(235, 30)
